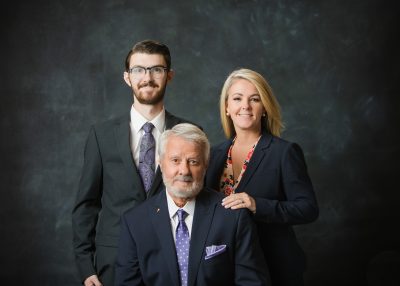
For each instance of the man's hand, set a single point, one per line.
(92, 281)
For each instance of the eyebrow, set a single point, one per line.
(238, 93)
(139, 66)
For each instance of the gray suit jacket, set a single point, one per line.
(110, 184)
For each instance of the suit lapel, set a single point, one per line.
(156, 183)
(258, 155)
(170, 120)
(203, 216)
(122, 132)
(215, 169)
(160, 219)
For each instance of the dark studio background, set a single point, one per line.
(332, 64)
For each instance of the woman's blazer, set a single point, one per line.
(277, 178)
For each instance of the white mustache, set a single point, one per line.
(183, 178)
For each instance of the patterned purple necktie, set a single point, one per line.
(182, 246)
(147, 156)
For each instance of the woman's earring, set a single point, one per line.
(263, 115)
(227, 114)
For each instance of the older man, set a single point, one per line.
(183, 236)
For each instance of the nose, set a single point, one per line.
(147, 76)
(245, 104)
(184, 168)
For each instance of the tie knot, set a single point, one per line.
(147, 127)
(181, 215)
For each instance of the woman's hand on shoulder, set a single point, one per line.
(239, 201)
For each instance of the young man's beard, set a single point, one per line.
(157, 98)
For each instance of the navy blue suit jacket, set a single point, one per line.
(147, 254)
(276, 177)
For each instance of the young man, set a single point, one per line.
(119, 170)
(184, 236)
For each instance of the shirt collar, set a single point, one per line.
(173, 208)
(138, 120)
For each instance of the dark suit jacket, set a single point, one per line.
(147, 255)
(110, 184)
(276, 177)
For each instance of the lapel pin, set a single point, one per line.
(158, 209)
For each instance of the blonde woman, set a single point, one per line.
(258, 170)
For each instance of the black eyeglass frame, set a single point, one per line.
(150, 69)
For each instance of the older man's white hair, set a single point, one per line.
(187, 132)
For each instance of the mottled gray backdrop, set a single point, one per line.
(334, 66)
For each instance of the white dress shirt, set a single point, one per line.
(173, 208)
(136, 124)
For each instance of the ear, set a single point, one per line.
(170, 75)
(227, 109)
(126, 79)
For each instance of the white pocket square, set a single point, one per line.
(214, 250)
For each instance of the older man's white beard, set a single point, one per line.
(184, 193)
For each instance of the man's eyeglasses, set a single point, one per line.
(156, 71)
